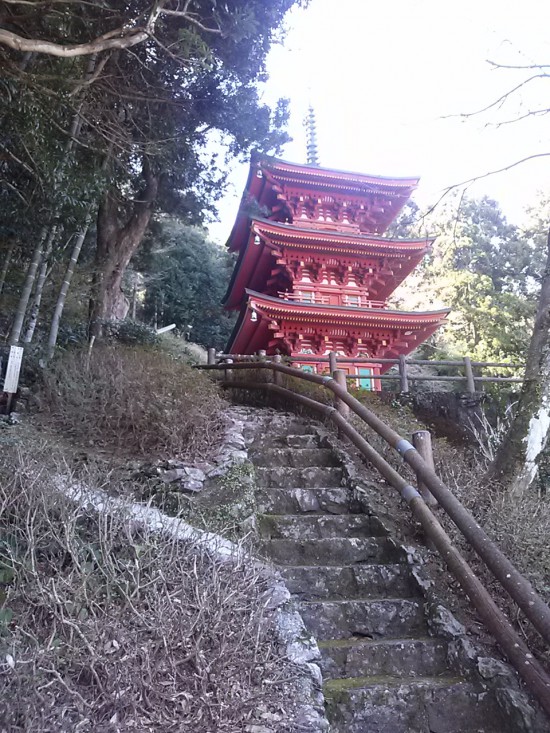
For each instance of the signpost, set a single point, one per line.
(11, 380)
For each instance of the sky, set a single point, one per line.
(390, 83)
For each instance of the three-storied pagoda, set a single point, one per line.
(314, 272)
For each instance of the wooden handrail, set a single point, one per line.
(532, 672)
(518, 587)
(376, 360)
(403, 376)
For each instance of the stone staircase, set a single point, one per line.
(383, 672)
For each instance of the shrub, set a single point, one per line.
(130, 332)
(106, 626)
(133, 400)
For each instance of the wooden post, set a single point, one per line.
(211, 356)
(277, 376)
(422, 441)
(228, 372)
(403, 379)
(332, 362)
(470, 381)
(339, 376)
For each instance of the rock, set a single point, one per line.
(239, 456)
(174, 474)
(489, 668)
(190, 477)
(195, 474)
(193, 486)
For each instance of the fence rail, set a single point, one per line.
(403, 376)
(430, 485)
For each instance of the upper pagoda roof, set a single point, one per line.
(269, 178)
(333, 177)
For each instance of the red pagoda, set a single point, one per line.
(314, 272)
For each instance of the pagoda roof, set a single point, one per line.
(331, 177)
(248, 336)
(301, 310)
(255, 262)
(275, 171)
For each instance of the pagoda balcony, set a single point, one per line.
(350, 301)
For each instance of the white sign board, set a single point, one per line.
(11, 379)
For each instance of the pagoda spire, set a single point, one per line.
(311, 137)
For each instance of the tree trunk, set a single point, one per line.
(59, 173)
(17, 325)
(39, 289)
(516, 461)
(65, 285)
(116, 244)
(6, 265)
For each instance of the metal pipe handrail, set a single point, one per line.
(496, 622)
(518, 587)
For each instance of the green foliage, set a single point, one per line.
(132, 333)
(74, 129)
(484, 269)
(187, 276)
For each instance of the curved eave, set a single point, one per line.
(290, 234)
(253, 267)
(313, 174)
(252, 270)
(297, 310)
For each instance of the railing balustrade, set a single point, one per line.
(431, 489)
(404, 377)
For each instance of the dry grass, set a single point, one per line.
(105, 626)
(133, 400)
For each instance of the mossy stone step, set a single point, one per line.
(302, 526)
(349, 582)
(393, 657)
(300, 441)
(331, 551)
(333, 500)
(373, 618)
(289, 478)
(413, 705)
(294, 457)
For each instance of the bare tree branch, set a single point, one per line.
(127, 39)
(500, 101)
(191, 18)
(474, 179)
(531, 113)
(496, 65)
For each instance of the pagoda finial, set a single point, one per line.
(311, 137)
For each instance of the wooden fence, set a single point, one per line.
(471, 377)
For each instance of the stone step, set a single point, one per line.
(289, 478)
(332, 551)
(294, 457)
(415, 705)
(375, 619)
(307, 527)
(425, 657)
(292, 501)
(299, 427)
(301, 441)
(354, 581)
